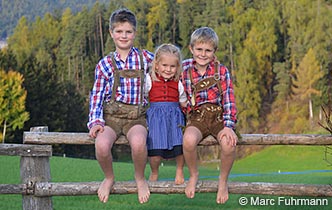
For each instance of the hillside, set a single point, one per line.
(12, 11)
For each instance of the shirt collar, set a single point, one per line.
(131, 51)
(208, 68)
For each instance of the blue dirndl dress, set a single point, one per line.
(165, 122)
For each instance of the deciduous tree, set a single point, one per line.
(12, 101)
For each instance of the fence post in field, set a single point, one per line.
(33, 169)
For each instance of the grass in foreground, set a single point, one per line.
(265, 164)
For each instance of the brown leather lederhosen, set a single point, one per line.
(122, 110)
(211, 113)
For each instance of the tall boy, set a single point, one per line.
(211, 109)
(117, 103)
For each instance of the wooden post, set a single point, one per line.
(35, 169)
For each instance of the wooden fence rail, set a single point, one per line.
(247, 139)
(37, 190)
(46, 189)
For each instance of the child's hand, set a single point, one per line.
(95, 130)
(230, 136)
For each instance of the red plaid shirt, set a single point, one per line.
(211, 95)
(129, 88)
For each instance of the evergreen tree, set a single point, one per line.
(140, 9)
(280, 111)
(248, 99)
(19, 43)
(158, 23)
(7, 60)
(191, 18)
(45, 38)
(50, 102)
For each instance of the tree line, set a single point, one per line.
(278, 51)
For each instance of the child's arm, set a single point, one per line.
(148, 85)
(99, 91)
(182, 96)
(228, 101)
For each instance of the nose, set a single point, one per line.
(124, 34)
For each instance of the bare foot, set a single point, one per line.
(143, 191)
(191, 187)
(105, 189)
(153, 177)
(179, 177)
(222, 195)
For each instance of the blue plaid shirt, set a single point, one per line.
(129, 88)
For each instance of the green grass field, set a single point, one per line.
(286, 164)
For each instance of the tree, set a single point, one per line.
(158, 23)
(278, 118)
(12, 101)
(190, 20)
(248, 98)
(19, 43)
(307, 75)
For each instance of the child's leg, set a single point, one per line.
(103, 145)
(137, 140)
(227, 158)
(191, 137)
(179, 177)
(154, 165)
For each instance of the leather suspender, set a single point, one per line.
(205, 84)
(128, 73)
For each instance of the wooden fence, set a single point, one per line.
(37, 189)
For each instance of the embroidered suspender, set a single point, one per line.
(205, 84)
(128, 73)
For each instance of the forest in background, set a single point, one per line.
(278, 51)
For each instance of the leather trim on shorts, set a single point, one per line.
(208, 118)
(121, 123)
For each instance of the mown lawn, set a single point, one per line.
(287, 164)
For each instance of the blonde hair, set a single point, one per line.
(204, 35)
(169, 49)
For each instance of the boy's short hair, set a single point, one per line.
(121, 16)
(204, 35)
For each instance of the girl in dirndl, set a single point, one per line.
(165, 118)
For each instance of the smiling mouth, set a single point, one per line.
(203, 58)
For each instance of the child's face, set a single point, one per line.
(167, 66)
(203, 53)
(123, 35)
